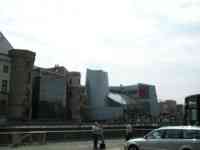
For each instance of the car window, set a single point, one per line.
(155, 135)
(173, 134)
(191, 134)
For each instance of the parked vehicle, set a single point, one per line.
(167, 138)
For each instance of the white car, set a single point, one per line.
(167, 138)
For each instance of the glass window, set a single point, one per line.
(4, 86)
(29, 78)
(155, 135)
(194, 114)
(173, 134)
(191, 134)
(70, 81)
(5, 68)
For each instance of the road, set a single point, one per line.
(81, 145)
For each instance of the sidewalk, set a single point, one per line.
(115, 144)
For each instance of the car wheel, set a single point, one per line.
(133, 147)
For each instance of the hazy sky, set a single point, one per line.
(148, 41)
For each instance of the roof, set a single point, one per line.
(117, 98)
(121, 98)
(180, 127)
(194, 95)
(5, 45)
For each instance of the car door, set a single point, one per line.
(191, 138)
(173, 139)
(153, 141)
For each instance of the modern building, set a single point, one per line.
(56, 94)
(97, 88)
(49, 94)
(192, 110)
(16, 81)
(119, 102)
(142, 96)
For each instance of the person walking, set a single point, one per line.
(101, 134)
(129, 132)
(95, 134)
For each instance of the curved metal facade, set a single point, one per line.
(97, 87)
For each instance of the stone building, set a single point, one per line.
(168, 107)
(5, 68)
(20, 95)
(73, 96)
(15, 81)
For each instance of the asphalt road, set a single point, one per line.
(77, 145)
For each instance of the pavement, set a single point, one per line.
(114, 144)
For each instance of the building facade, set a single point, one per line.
(56, 94)
(142, 96)
(74, 92)
(15, 81)
(20, 95)
(49, 94)
(192, 110)
(97, 88)
(122, 102)
(5, 69)
(168, 107)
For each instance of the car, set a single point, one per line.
(167, 138)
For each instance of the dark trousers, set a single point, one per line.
(128, 136)
(95, 141)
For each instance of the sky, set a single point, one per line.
(136, 41)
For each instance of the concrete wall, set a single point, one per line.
(73, 96)
(74, 105)
(104, 113)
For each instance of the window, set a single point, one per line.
(173, 134)
(28, 64)
(70, 81)
(5, 68)
(194, 114)
(192, 134)
(2, 107)
(4, 86)
(29, 78)
(155, 135)
(79, 81)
